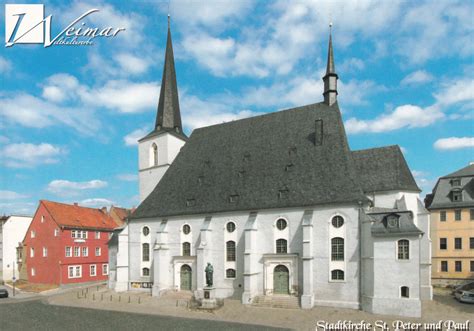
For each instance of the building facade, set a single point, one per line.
(280, 206)
(12, 232)
(452, 227)
(67, 244)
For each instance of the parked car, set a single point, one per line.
(465, 296)
(464, 287)
(3, 293)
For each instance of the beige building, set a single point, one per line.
(452, 227)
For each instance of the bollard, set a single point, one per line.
(97, 288)
(128, 299)
(111, 297)
(102, 296)
(120, 298)
(139, 300)
(93, 297)
(87, 290)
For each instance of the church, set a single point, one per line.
(279, 205)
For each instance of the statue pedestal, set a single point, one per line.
(209, 301)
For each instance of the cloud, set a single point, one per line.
(132, 138)
(17, 208)
(456, 91)
(66, 187)
(25, 155)
(96, 203)
(406, 116)
(350, 65)
(10, 195)
(424, 181)
(5, 65)
(127, 177)
(453, 143)
(123, 96)
(132, 64)
(4, 139)
(417, 77)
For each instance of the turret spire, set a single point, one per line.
(169, 116)
(330, 79)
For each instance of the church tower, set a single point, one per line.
(330, 79)
(157, 150)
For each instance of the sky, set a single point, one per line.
(70, 116)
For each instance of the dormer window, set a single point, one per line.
(233, 198)
(456, 182)
(392, 221)
(190, 202)
(456, 196)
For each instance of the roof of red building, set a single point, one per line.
(75, 216)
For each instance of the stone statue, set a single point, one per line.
(209, 270)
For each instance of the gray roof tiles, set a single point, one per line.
(273, 161)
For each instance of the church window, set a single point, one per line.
(337, 249)
(155, 154)
(186, 249)
(405, 292)
(186, 229)
(146, 272)
(403, 249)
(230, 250)
(145, 252)
(281, 246)
(337, 221)
(230, 273)
(281, 224)
(230, 227)
(146, 231)
(337, 274)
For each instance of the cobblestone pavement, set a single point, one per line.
(39, 315)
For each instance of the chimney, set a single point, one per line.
(75, 204)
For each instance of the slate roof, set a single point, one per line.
(406, 225)
(269, 161)
(383, 169)
(74, 216)
(441, 198)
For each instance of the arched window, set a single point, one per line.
(186, 229)
(337, 249)
(230, 273)
(230, 250)
(230, 227)
(146, 272)
(145, 252)
(146, 231)
(337, 221)
(154, 150)
(337, 274)
(281, 246)
(403, 249)
(404, 292)
(186, 249)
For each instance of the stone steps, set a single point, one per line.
(277, 301)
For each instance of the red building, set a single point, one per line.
(67, 244)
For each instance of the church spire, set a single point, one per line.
(169, 116)
(330, 79)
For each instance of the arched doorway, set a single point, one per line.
(186, 278)
(281, 280)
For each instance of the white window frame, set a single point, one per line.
(85, 251)
(45, 251)
(33, 272)
(105, 269)
(76, 271)
(56, 232)
(32, 252)
(98, 251)
(93, 267)
(97, 235)
(73, 234)
(68, 249)
(42, 219)
(77, 251)
(33, 234)
(84, 234)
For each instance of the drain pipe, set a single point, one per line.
(360, 254)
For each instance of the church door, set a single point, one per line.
(281, 280)
(186, 278)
